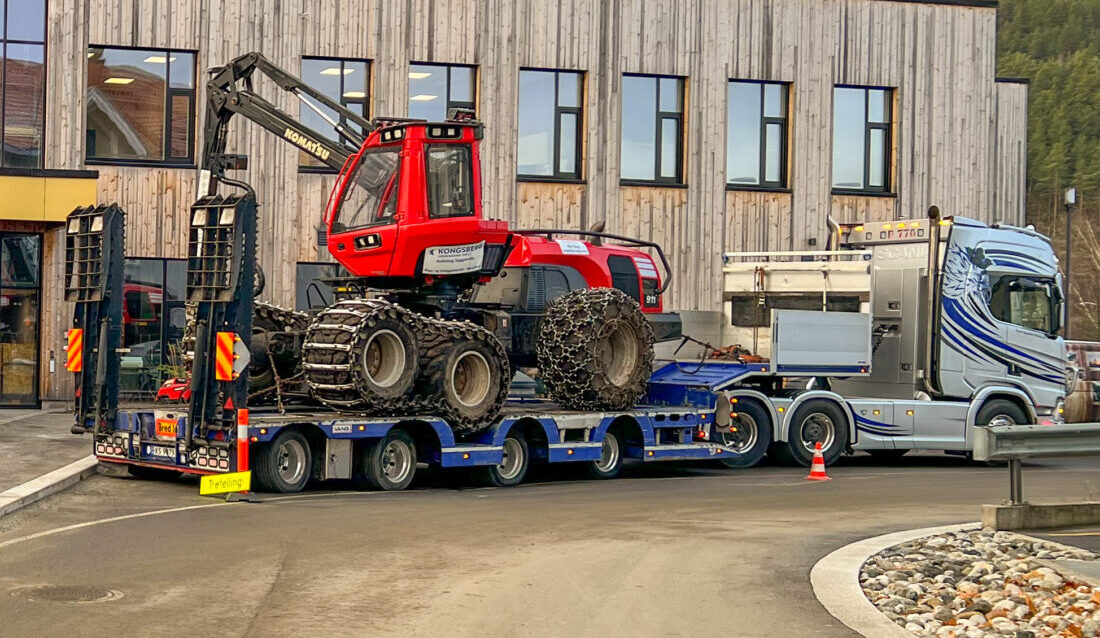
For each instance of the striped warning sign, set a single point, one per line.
(74, 350)
(223, 357)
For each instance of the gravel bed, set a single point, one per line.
(976, 584)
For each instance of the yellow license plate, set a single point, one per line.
(225, 483)
(166, 428)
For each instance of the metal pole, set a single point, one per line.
(1015, 482)
(1069, 289)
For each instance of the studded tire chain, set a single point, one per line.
(266, 317)
(573, 349)
(333, 349)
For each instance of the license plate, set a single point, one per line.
(166, 428)
(161, 451)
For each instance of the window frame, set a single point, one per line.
(660, 116)
(577, 176)
(192, 120)
(450, 104)
(783, 185)
(4, 42)
(887, 127)
(365, 101)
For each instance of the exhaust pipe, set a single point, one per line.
(833, 242)
(932, 300)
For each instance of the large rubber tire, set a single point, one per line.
(1000, 412)
(595, 350)
(362, 355)
(752, 435)
(285, 464)
(513, 467)
(816, 420)
(388, 463)
(468, 376)
(611, 458)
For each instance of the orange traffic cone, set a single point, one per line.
(817, 470)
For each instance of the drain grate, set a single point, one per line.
(81, 594)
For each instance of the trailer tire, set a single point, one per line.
(611, 458)
(1000, 412)
(752, 437)
(815, 421)
(285, 464)
(595, 350)
(388, 463)
(512, 468)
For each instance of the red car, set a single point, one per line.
(174, 391)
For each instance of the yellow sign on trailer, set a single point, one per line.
(225, 483)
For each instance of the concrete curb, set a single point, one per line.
(835, 580)
(47, 484)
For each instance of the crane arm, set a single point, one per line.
(229, 92)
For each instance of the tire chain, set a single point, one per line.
(566, 351)
(433, 337)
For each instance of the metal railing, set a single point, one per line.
(1014, 443)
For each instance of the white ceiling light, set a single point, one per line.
(118, 80)
(335, 70)
(419, 75)
(355, 94)
(158, 59)
(423, 98)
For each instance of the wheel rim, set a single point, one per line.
(291, 463)
(1002, 419)
(384, 358)
(619, 355)
(743, 434)
(512, 460)
(818, 428)
(470, 379)
(609, 453)
(396, 461)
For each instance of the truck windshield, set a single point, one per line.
(371, 194)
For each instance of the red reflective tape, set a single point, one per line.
(74, 350)
(223, 357)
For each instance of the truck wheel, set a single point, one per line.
(815, 421)
(388, 463)
(513, 467)
(285, 464)
(749, 434)
(595, 350)
(611, 458)
(1000, 412)
(470, 376)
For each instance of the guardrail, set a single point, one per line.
(1013, 443)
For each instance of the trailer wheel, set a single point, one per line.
(815, 421)
(513, 467)
(611, 458)
(285, 464)
(1000, 412)
(749, 433)
(595, 350)
(388, 463)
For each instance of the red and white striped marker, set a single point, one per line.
(817, 470)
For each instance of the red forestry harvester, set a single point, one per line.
(442, 302)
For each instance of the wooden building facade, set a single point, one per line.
(956, 133)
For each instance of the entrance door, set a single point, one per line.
(20, 285)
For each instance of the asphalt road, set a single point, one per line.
(662, 551)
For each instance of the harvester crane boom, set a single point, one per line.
(230, 92)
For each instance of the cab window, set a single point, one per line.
(1025, 301)
(450, 181)
(370, 197)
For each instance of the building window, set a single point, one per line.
(344, 81)
(550, 124)
(435, 89)
(861, 139)
(652, 129)
(756, 140)
(22, 82)
(312, 291)
(153, 322)
(141, 106)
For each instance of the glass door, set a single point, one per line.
(20, 286)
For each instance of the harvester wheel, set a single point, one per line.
(468, 375)
(595, 350)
